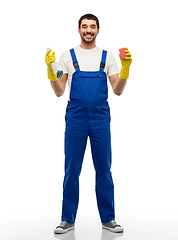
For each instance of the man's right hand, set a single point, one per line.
(49, 59)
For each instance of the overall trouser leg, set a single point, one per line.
(75, 145)
(100, 139)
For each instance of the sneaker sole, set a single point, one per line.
(116, 230)
(60, 230)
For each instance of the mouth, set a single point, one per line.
(89, 35)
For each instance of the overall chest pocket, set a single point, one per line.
(89, 87)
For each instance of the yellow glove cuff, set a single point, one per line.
(124, 73)
(51, 74)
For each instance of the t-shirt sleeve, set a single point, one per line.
(63, 62)
(111, 65)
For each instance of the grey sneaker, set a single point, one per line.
(113, 227)
(64, 227)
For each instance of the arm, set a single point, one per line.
(59, 85)
(118, 84)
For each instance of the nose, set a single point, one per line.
(89, 29)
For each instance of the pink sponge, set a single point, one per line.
(122, 53)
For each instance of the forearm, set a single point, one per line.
(119, 86)
(57, 87)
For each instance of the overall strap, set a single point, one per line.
(103, 60)
(74, 59)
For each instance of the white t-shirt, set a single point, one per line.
(88, 60)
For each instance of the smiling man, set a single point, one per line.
(86, 68)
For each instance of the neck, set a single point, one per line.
(88, 45)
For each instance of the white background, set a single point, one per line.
(143, 119)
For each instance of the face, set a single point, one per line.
(88, 30)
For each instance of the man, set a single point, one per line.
(86, 68)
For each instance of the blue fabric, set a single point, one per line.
(88, 116)
(74, 59)
(103, 59)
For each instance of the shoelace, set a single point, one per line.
(115, 224)
(63, 224)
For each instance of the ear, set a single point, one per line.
(79, 30)
(98, 30)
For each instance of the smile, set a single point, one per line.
(88, 35)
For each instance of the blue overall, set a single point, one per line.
(88, 115)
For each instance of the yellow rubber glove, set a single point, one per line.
(124, 72)
(49, 59)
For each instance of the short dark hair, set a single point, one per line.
(89, 17)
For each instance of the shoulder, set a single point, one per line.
(110, 58)
(65, 54)
(109, 55)
(65, 57)
(111, 64)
